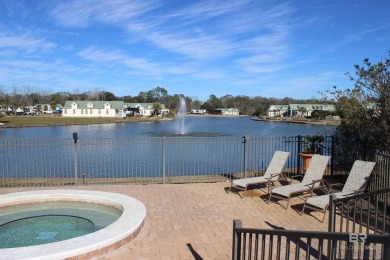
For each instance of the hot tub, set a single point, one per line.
(92, 245)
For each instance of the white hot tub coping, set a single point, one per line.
(122, 231)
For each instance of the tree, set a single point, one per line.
(365, 112)
(107, 96)
(53, 104)
(76, 95)
(157, 108)
(302, 110)
(214, 103)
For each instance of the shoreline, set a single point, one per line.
(42, 121)
(49, 120)
(298, 121)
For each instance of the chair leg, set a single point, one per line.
(269, 198)
(323, 218)
(269, 185)
(231, 185)
(288, 201)
(303, 209)
(243, 194)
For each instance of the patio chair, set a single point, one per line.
(356, 183)
(271, 175)
(311, 180)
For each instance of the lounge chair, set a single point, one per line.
(311, 180)
(271, 175)
(356, 183)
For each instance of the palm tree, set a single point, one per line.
(302, 110)
(157, 108)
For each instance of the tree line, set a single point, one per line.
(247, 105)
(365, 112)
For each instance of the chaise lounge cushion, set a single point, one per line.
(356, 181)
(272, 173)
(314, 173)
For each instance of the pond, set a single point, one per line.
(192, 125)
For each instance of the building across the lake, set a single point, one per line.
(296, 110)
(109, 109)
(47, 108)
(227, 111)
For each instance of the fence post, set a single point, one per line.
(236, 253)
(386, 251)
(299, 144)
(332, 213)
(332, 145)
(163, 158)
(244, 141)
(75, 157)
(331, 225)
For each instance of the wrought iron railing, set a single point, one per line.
(367, 212)
(72, 161)
(359, 228)
(250, 243)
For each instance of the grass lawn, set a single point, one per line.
(51, 120)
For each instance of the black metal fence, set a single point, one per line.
(380, 179)
(366, 212)
(249, 243)
(359, 228)
(73, 161)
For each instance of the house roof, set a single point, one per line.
(96, 104)
(278, 107)
(114, 104)
(144, 105)
(308, 107)
(227, 109)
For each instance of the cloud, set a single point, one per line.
(137, 65)
(83, 13)
(25, 43)
(204, 47)
(112, 58)
(210, 9)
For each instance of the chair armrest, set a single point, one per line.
(282, 175)
(326, 185)
(311, 185)
(355, 192)
(335, 184)
(314, 182)
(272, 176)
(358, 191)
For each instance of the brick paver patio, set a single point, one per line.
(194, 221)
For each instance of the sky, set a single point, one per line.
(265, 48)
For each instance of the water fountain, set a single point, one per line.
(182, 114)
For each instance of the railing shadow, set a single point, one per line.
(301, 244)
(194, 253)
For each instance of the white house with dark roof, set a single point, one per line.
(144, 109)
(92, 108)
(108, 109)
(227, 111)
(277, 110)
(296, 110)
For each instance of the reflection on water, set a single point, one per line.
(213, 145)
(193, 134)
(195, 126)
